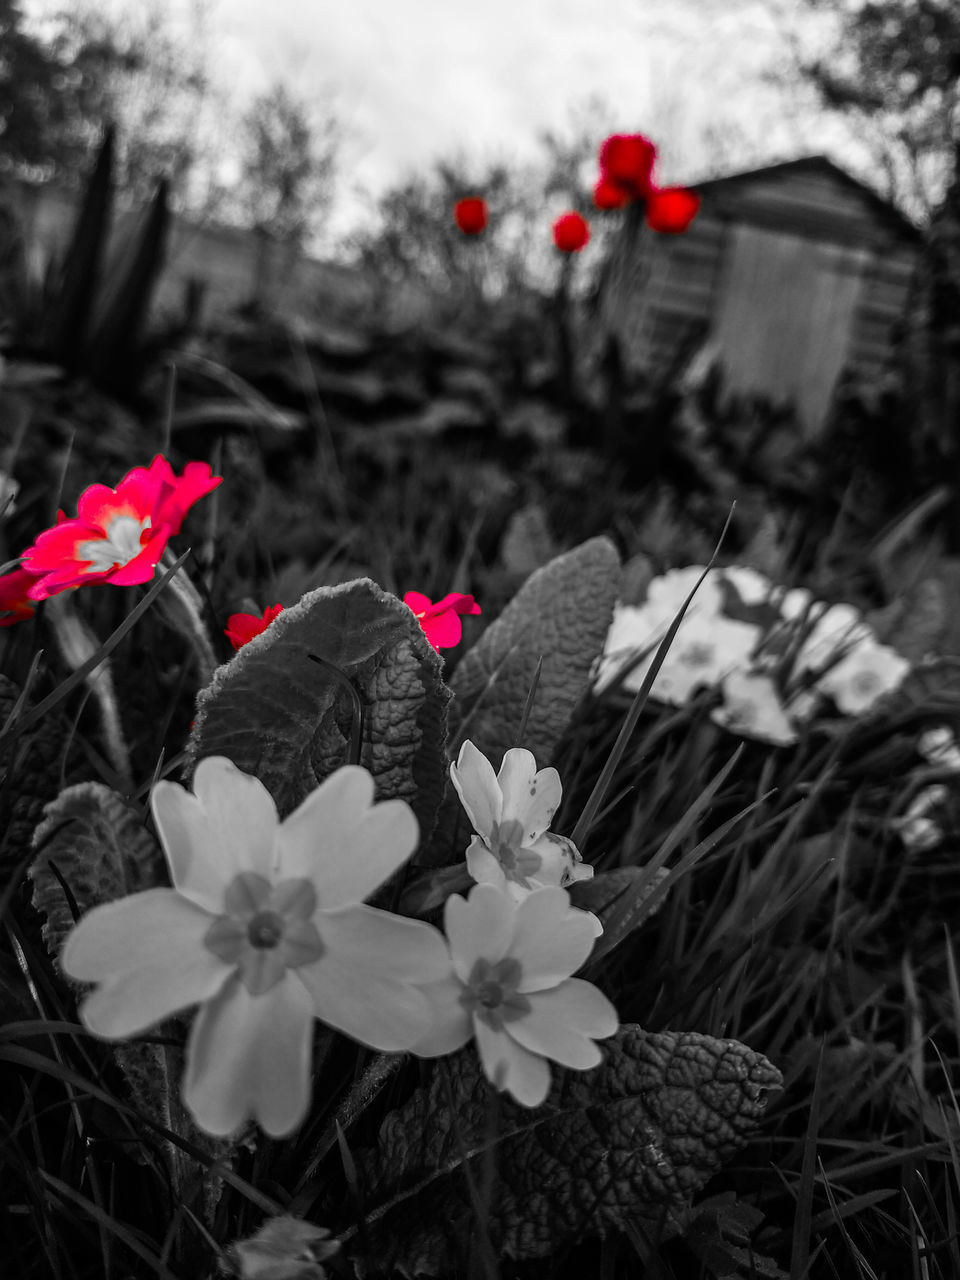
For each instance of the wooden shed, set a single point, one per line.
(793, 272)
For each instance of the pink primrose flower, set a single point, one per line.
(510, 989)
(242, 627)
(118, 535)
(263, 929)
(441, 621)
(15, 604)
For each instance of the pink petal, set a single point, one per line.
(250, 1056)
(344, 843)
(477, 786)
(456, 602)
(227, 825)
(195, 483)
(443, 630)
(479, 926)
(143, 566)
(507, 1065)
(133, 496)
(530, 797)
(561, 1024)
(416, 601)
(451, 1026)
(363, 984)
(552, 939)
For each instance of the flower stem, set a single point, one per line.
(78, 644)
(184, 611)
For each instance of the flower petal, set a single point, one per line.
(344, 843)
(250, 1056)
(479, 926)
(508, 1065)
(552, 939)
(562, 1023)
(367, 981)
(443, 630)
(147, 952)
(477, 786)
(483, 865)
(451, 1026)
(227, 825)
(530, 797)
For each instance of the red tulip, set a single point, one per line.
(627, 160)
(671, 209)
(608, 194)
(470, 215)
(571, 232)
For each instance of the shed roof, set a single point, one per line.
(773, 193)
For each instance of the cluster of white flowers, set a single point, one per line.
(828, 650)
(921, 825)
(265, 929)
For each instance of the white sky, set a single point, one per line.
(413, 80)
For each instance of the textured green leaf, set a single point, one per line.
(36, 769)
(279, 715)
(101, 849)
(636, 1135)
(562, 614)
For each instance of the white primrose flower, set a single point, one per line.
(752, 708)
(918, 831)
(859, 680)
(511, 812)
(836, 633)
(666, 593)
(938, 746)
(705, 648)
(750, 585)
(510, 989)
(263, 930)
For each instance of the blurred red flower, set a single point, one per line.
(118, 535)
(440, 622)
(608, 194)
(470, 215)
(626, 159)
(671, 209)
(15, 605)
(242, 627)
(571, 232)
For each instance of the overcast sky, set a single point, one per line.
(413, 80)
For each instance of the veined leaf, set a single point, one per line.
(639, 1134)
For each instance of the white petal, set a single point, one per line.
(132, 933)
(250, 1056)
(147, 952)
(552, 939)
(476, 785)
(482, 865)
(752, 587)
(450, 1024)
(562, 1023)
(507, 1065)
(343, 843)
(364, 983)
(227, 825)
(529, 797)
(479, 926)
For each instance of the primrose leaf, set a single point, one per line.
(287, 719)
(635, 1137)
(561, 614)
(100, 846)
